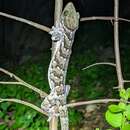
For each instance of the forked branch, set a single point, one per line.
(116, 42)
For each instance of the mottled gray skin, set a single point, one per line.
(59, 63)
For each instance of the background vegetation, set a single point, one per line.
(93, 43)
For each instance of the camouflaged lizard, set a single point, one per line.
(62, 37)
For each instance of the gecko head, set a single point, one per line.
(70, 16)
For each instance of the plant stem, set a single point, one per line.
(57, 15)
(58, 10)
(116, 45)
(53, 124)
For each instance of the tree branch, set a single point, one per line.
(36, 25)
(57, 18)
(116, 45)
(11, 83)
(58, 10)
(21, 82)
(53, 124)
(24, 103)
(109, 18)
(92, 102)
(126, 81)
(100, 63)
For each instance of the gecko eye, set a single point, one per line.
(66, 13)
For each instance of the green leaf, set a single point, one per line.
(114, 119)
(114, 108)
(75, 117)
(5, 106)
(3, 126)
(128, 92)
(122, 106)
(126, 127)
(123, 94)
(127, 112)
(1, 114)
(97, 129)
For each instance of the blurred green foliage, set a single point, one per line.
(118, 115)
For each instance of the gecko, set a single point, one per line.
(62, 37)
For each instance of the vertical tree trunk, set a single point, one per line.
(57, 14)
(116, 45)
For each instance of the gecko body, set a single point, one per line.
(62, 37)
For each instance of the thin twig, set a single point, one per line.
(21, 82)
(116, 87)
(24, 103)
(101, 63)
(116, 45)
(36, 25)
(92, 102)
(126, 81)
(11, 83)
(109, 18)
